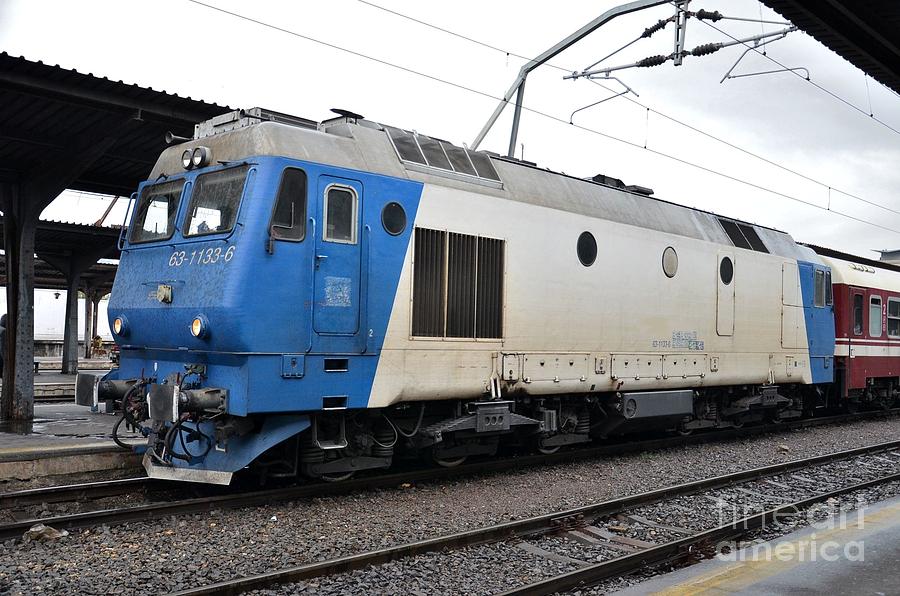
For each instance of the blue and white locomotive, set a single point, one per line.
(314, 299)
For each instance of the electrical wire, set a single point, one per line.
(543, 114)
(115, 434)
(810, 81)
(648, 108)
(412, 433)
(396, 435)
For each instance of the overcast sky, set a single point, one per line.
(184, 48)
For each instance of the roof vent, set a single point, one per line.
(617, 183)
(241, 118)
(641, 190)
(608, 181)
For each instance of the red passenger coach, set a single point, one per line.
(867, 329)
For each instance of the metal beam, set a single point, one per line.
(29, 138)
(78, 94)
(549, 54)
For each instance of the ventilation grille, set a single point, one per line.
(743, 236)
(413, 148)
(489, 296)
(428, 285)
(457, 285)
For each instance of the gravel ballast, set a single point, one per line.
(184, 552)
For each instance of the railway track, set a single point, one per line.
(210, 498)
(765, 494)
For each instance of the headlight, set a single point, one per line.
(186, 159)
(199, 326)
(120, 325)
(200, 157)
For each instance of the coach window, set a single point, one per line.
(857, 314)
(340, 214)
(819, 295)
(289, 215)
(893, 317)
(875, 316)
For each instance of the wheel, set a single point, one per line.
(337, 477)
(737, 423)
(683, 431)
(449, 463)
(547, 450)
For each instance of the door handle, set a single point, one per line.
(321, 257)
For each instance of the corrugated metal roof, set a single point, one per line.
(864, 32)
(46, 111)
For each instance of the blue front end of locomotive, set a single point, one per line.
(270, 282)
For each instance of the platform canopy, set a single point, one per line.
(47, 110)
(57, 241)
(864, 32)
(62, 129)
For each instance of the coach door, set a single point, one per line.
(857, 330)
(337, 291)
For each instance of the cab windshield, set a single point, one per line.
(155, 214)
(214, 201)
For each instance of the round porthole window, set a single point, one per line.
(587, 249)
(726, 270)
(670, 262)
(393, 218)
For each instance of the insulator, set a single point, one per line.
(707, 48)
(657, 27)
(584, 422)
(709, 16)
(651, 61)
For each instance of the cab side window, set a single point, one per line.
(819, 295)
(289, 215)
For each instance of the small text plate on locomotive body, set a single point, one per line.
(681, 340)
(202, 255)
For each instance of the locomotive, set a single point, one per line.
(313, 299)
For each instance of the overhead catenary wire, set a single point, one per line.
(810, 81)
(538, 112)
(649, 109)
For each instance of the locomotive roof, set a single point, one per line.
(366, 146)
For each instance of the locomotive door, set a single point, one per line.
(336, 292)
(857, 321)
(725, 294)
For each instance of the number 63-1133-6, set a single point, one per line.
(201, 256)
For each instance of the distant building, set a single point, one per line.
(890, 256)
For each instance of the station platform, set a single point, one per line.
(855, 554)
(64, 439)
(50, 383)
